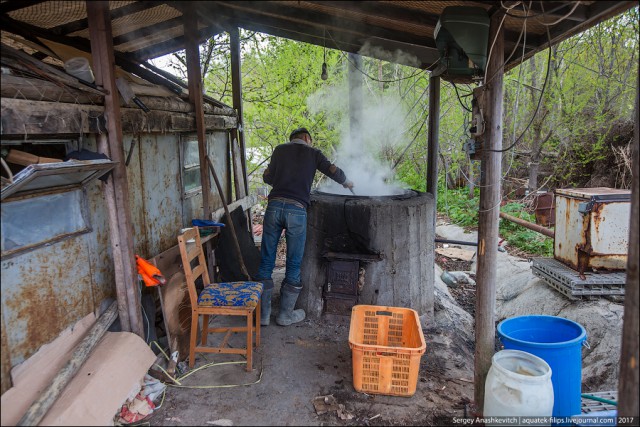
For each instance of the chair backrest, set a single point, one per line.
(193, 262)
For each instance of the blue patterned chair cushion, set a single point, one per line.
(236, 294)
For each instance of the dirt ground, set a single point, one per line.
(295, 365)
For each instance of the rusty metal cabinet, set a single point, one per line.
(592, 228)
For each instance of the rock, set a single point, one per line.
(449, 279)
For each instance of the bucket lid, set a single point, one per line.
(553, 324)
(521, 365)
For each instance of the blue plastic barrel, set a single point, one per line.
(558, 341)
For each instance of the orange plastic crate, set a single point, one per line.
(386, 346)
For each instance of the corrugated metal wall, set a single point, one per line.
(48, 289)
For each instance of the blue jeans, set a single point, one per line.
(293, 219)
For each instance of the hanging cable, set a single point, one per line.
(548, 24)
(535, 113)
(515, 47)
(460, 100)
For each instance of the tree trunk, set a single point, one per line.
(538, 140)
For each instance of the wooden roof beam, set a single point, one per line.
(387, 10)
(147, 31)
(272, 14)
(173, 45)
(554, 10)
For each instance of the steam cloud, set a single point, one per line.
(381, 128)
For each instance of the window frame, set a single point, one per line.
(185, 139)
(84, 212)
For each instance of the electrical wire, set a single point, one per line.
(535, 113)
(515, 47)
(460, 100)
(515, 105)
(484, 82)
(529, 16)
(548, 24)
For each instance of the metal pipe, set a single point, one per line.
(456, 242)
(535, 227)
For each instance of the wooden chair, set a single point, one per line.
(217, 299)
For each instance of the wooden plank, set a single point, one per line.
(628, 388)
(195, 96)
(176, 310)
(50, 72)
(32, 376)
(245, 202)
(121, 229)
(236, 84)
(103, 383)
(174, 301)
(456, 253)
(50, 395)
(488, 219)
(238, 174)
(20, 87)
(6, 358)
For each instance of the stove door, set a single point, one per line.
(342, 278)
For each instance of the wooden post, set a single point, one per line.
(628, 379)
(432, 139)
(194, 75)
(116, 188)
(114, 238)
(489, 215)
(5, 356)
(39, 408)
(236, 85)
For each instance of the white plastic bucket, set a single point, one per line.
(518, 384)
(79, 67)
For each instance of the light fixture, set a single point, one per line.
(324, 74)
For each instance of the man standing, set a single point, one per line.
(291, 171)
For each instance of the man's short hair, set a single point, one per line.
(298, 132)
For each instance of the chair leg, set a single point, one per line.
(256, 313)
(249, 340)
(194, 338)
(205, 329)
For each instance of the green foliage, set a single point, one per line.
(518, 236)
(457, 206)
(591, 86)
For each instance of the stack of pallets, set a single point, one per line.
(568, 281)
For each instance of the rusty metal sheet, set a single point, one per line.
(44, 292)
(161, 192)
(544, 209)
(591, 233)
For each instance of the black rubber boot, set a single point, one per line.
(288, 297)
(265, 302)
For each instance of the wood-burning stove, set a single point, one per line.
(374, 250)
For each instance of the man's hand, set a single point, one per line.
(348, 184)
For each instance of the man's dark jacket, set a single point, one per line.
(292, 169)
